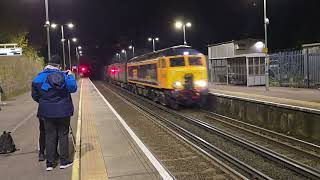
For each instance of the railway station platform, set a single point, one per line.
(296, 98)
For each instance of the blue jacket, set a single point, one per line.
(52, 90)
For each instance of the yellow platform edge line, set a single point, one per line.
(76, 159)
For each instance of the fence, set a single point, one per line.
(297, 68)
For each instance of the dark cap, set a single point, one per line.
(55, 60)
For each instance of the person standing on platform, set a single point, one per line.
(52, 89)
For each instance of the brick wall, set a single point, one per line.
(16, 74)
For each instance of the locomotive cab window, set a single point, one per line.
(177, 62)
(195, 61)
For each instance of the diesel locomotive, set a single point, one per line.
(174, 76)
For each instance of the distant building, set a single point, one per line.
(240, 62)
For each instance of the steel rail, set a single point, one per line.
(304, 144)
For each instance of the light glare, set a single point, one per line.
(189, 24)
(53, 25)
(179, 24)
(149, 39)
(74, 39)
(157, 39)
(70, 25)
(259, 45)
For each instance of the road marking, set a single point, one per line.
(162, 171)
(22, 122)
(76, 159)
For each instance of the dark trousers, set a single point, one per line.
(57, 128)
(42, 136)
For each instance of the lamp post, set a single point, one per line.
(70, 26)
(47, 25)
(184, 26)
(125, 54)
(267, 61)
(119, 57)
(74, 40)
(132, 47)
(77, 54)
(153, 40)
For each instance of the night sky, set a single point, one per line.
(106, 26)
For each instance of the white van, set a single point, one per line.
(10, 50)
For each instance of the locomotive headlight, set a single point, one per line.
(177, 84)
(201, 83)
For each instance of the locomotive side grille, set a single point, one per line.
(188, 78)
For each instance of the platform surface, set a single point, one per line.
(304, 98)
(19, 117)
(107, 150)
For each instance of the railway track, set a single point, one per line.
(226, 146)
(293, 149)
(178, 154)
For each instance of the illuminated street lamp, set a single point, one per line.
(119, 57)
(125, 54)
(70, 26)
(78, 48)
(182, 25)
(153, 40)
(132, 47)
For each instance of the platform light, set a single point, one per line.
(74, 39)
(79, 47)
(157, 39)
(183, 26)
(123, 51)
(259, 45)
(54, 25)
(150, 39)
(179, 24)
(70, 25)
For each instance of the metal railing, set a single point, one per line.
(298, 68)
